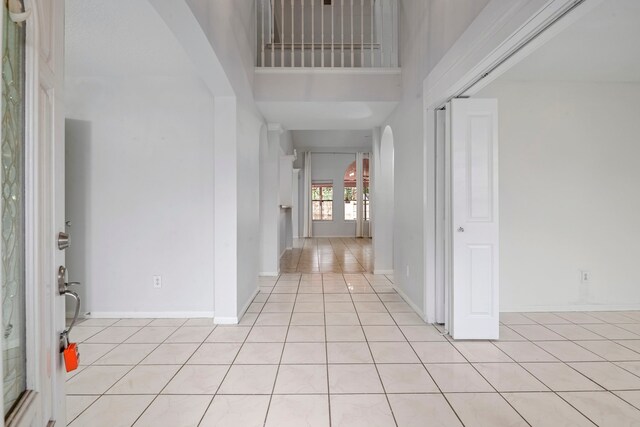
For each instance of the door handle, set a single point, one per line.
(63, 285)
(63, 289)
(76, 312)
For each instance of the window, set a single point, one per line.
(13, 241)
(350, 193)
(350, 205)
(365, 189)
(322, 201)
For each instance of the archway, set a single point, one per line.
(384, 204)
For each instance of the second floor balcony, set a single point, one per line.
(327, 34)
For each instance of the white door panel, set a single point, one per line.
(474, 224)
(442, 310)
(48, 193)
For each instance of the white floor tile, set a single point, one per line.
(174, 411)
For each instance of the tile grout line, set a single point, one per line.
(557, 393)
(275, 379)
(171, 379)
(565, 363)
(232, 362)
(326, 350)
(423, 365)
(120, 378)
(384, 390)
(129, 371)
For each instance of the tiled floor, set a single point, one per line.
(345, 350)
(328, 255)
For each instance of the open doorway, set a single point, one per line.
(384, 202)
(333, 202)
(563, 167)
(568, 163)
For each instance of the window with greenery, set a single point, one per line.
(350, 193)
(322, 201)
(365, 195)
(350, 204)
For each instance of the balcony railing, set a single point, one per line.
(327, 33)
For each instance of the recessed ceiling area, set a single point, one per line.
(326, 115)
(305, 140)
(120, 38)
(602, 46)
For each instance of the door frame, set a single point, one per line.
(502, 35)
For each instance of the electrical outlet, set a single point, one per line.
(585, 276)
(157, 282)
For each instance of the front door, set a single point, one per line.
(32, 211)
(49, 193)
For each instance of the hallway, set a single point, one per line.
(345, 350)
(328, 255)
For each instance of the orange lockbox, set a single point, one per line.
(71, 357)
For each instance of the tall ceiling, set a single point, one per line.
(120, 37)
(602, 46)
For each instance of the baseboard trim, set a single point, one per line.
(235, 320)
(268, 274)
(576, 307)
(353, 236)
(385, 272)
(248, 303)
(150, 315)
(408, 301)
(225, 320)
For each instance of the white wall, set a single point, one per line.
(230, 28)
(269, 215)
(248, 167)
(275, 222)
(140, 193)
(427, 29)
(568, 194)
(285, 224)
(77, 191)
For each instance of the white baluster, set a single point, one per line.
(342, 33)
(371, 41)
(351, 33)
(273, 32)
(313, 34)
(332, 37)
(322, 40)
(393, 61)
(262, 34)
(382, 33)
(282, 33)
(293, 56)
(362, 33)
(302, 46)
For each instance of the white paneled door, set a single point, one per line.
(474, 222)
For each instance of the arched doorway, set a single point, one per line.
(384, 204)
